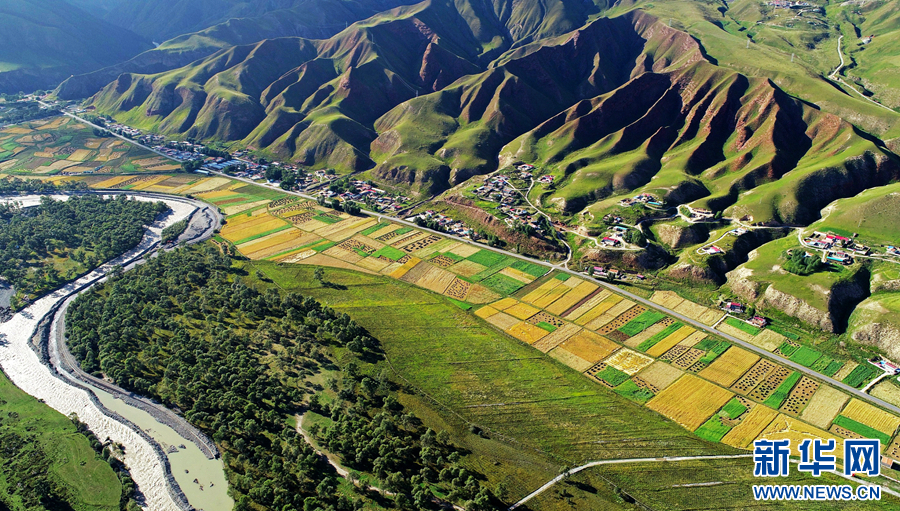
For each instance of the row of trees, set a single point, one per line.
(85, 229)
(190, 330)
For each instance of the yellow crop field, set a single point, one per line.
(208, 184)
(887, 391)
(588, 305)
(598, 310)
(150, 182)
(871, 416)
(824, 406)
(668, 299)
(693, 339)
(519, 275)
(93, 143)
(522, 311)
(237, 208)
(627, 361)
(435, 279)
(660, 375)
(348, 229)
(486, 311)
(670, 341)
(373, 264)
(696, 311)
(218, 194)
(505, 303)
(111, 182)
(464, 250)
(526, 332)
(502, 320)
(690, 401)
(384, 230)
(480, 294)
(789, 428)
(577, 294)
(557, 337)
(742, 435)
(589, 346)
(575, 362)
(408, 265)
(613, 312)
(551, 296)
(542, 290)
(276, 243)
(258, 224)
(730, 366)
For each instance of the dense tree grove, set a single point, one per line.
(86, 230)
(11, 185)
(797, 262)
(193, 331)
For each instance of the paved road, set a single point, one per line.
(575, 470)
(696, 324)
(836, 77)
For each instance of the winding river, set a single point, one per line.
(174, 466)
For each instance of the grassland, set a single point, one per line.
(89, 482)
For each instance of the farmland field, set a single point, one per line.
(730, 366)
(690, 401)
(71, 148)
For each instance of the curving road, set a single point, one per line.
(60, 390)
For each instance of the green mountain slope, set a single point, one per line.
(47, 40)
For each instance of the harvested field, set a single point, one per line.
(557, 337)
(668, 299)
(888, 391)
(710, 317)
(521, 310)
(589, 304)
(688, 358)
(206, 185)
(693, 339)
(612, 313)
(690, 401)
(589, 346)
(622, 318)
(669, 342)
(693, 310)
(875, 418)
(374, 264)
(769, 340)
(736, 332)
(465, 250)
(467, 268)
(800, 396)
(434, 248)
(772, 381)
(784, 427)
(824, 406)
(502, 320)
(844, 433)
(893, 449)
(570, 359)
(628, 361)
(845, 371)
(429, 239)
(575, 295)
(383, 231)
(635, 341)
(357, 246)
(527, 332)
(457, 289)
(404, 239)
(743, 435)
(600, 309)
(80, 155)
(751, 378)
(345, 228)
(730, 366)
(443, 261)
(543, 317)
(480, 294)
(435, 279)
(324, 260)
(340, 253)
(111, 182)
(660, 375)
(541, 290)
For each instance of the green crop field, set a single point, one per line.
(862, 429)
(502, 284)
(861, 374)
(52, 441)
(787, 349)
(476, 375)
(630, 390)
(641, 323)
(805, 356)
(733, 409)
(486, 258)
(743, 325)
(535, 270)
(781, 393)
(612, 376)
(713, 429)
(389, 252)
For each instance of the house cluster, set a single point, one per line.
(361, 191)
(894, 251)
(498, 189)
(644, 198)
(700, 213)
(711, 250)
(446, 224)
(839, 257)
(609, 273)
(546, 179)
(125, 131)
(516, 215)
(733, 307)
(885, 365)
(740, 231)
(830, 241)
(614, 237)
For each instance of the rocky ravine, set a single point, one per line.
(23, 367)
